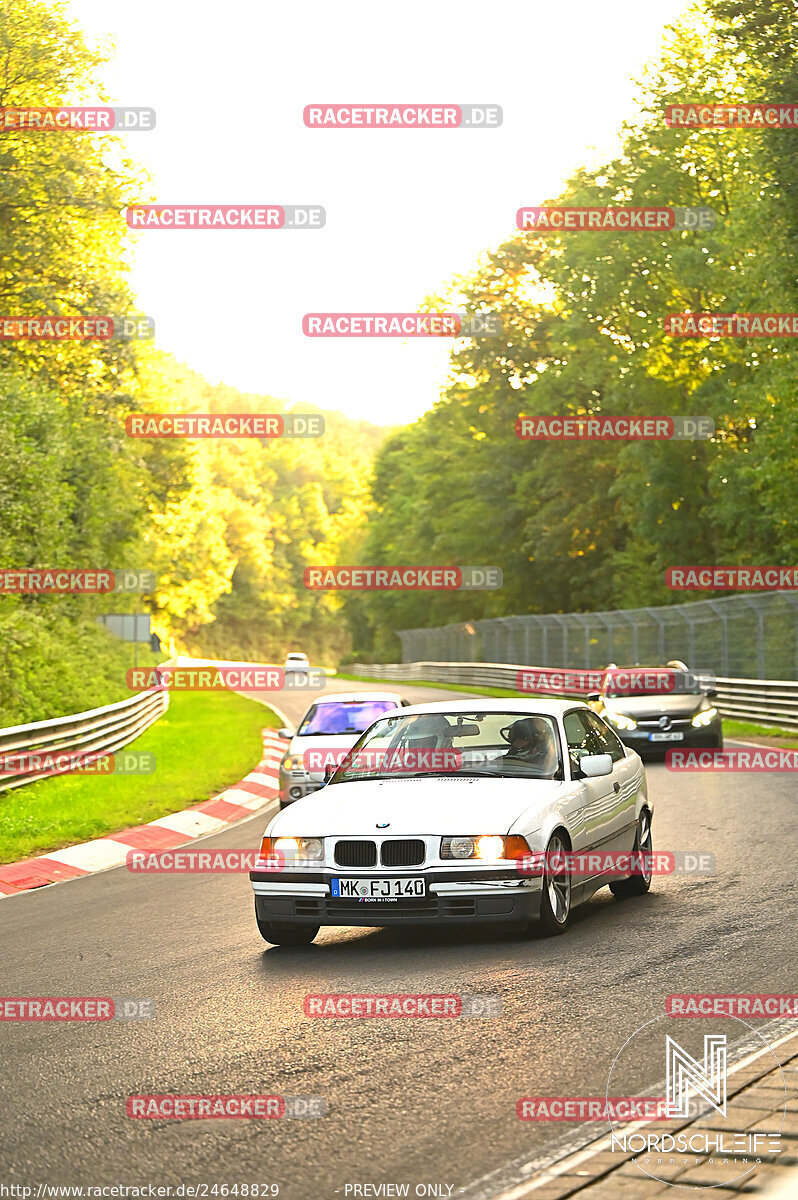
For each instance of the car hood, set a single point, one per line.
(415, 807)
(643, 706)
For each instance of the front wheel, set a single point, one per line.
(555, 903)
(637, 885)
(287, 935)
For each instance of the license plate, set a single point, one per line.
(378, 889)
(666, 737)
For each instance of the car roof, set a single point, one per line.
(366, 697)
(550, 707)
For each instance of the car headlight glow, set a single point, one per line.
(287, 764)
(705, 718)
(620, 720)
(487, 847)
(490, 848)
(292, 851)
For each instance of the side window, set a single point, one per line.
(602, 737)
(576, 735)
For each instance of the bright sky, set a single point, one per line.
(406, 210)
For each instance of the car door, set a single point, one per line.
(599, 794)
(620, 817)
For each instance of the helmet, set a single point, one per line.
(533, 729)
(430, 725)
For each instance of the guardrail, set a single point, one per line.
(95, 732)
(762, 701)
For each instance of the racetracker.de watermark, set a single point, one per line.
(625, 680)
(75, 1008)
(202, 862)
(52, 327)
(226, 216)
(401, 324)
(763, 758)
(67, 120)
(396, 760)
(60, 581)
(591, 1108)
(729, 1004)
(224, 425)
(223, 1107)
(608, 429)
(731, 325)
(403, 579)
(759, 115)
(400, 1004)
(219, 679)
(617, 862)
(402, 116)
(601, 218)
(732, 579)
(66, 762)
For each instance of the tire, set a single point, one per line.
(555, 902)
(637, 885)
(287, 935)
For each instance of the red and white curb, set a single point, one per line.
(254, 792)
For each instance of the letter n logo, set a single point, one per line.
(684, 1074)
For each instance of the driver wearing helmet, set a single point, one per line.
(531, 741)
(429, 731)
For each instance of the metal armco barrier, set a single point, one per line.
(761, 701)
(98, 731)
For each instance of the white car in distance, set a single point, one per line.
(329, 728)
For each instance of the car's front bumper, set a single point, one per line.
(293, 785)
(285, 899)
(693, 738)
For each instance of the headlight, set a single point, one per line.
(287, 764)
(293, 851)
(705, 718)
(620, 720)
(487, 847)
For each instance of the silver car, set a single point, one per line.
(329, 728)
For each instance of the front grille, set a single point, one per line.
(406, 853)
(382, 914)
(653, 722)
(326, 908)
(356, 854)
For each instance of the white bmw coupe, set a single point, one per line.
(438, 811)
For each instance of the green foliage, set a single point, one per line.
(591, 525)
(55, 661)
(227, 526)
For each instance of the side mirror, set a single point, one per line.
(322, 776)
(593, 765)
(593, 697)
(285, 732)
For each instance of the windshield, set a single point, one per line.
(342, 716)
(492, 744)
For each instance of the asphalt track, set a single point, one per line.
(408, 1101)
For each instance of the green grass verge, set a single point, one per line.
(742, 729)
(202, 744)
(732, 729)
(444, 687)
